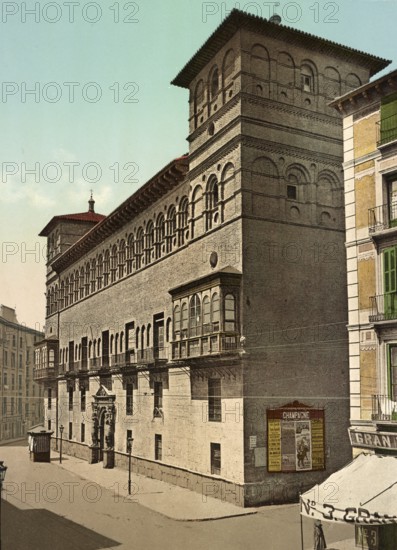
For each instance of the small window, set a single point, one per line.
(49, 395)
(214, 83)
(214, 400)
(82, 399)
(291, 192)
(216, 459)
(49, 425)
(127, 441)
(158, 398)
(70, 430)
(82, 433)
(70, 400)
(129, 399)
(158, 447)
(307, 83)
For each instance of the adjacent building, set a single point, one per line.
(21, 396)
(205, 317)
(370, 165)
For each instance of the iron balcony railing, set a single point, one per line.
(387, 130)
(382, 217)
(41, 373)
(384, 408)
(383, 307)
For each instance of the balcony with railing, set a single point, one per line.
(387, 130)
(205, 344)
(152, 355)
(382, 217)
(43, 372)
(383, 308)
(384, 409)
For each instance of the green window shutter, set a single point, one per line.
(390, 282)
(388, 119)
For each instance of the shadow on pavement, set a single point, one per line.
(24, 529)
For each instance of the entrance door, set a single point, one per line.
(105, 349)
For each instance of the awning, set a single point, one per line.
(363, 492)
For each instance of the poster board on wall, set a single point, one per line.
(295, 439)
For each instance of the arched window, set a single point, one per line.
(121, 341)
(112, 345)
(130, 253)
(87, 279)
(113, 264)
(183, 220)
(137, 340)
(67, 292)
(198, 103)
(195, 316)
(76, 285)
(206, 315)
(212, 217)
(116, 344)
(149, 242)
(214, 83)
(121, 258)
(93, 275)
(160, 235)
(106, 268)
(177, 322)
(62, 295)
(90, 349)
(215, 312)
(99, 347)
(171, 228)
(184, 320)
(143, 337)
(81, 283)
(148, 336)
(139, 245)
(71, 289)
(307, 78)
(230, 313)
(100, 271)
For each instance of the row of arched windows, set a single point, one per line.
(210, 93)
(149, 242)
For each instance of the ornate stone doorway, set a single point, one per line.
(103, 423)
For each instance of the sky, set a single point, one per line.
(86, 103)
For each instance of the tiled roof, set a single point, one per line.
(91, 217)
(239, 19)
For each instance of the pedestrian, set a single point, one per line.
(319, 539)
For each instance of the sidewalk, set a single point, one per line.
(169, 500)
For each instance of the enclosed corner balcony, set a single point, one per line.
(383, 308)
(383, 408)
(43, 373)
(387, 130)
(382, 218)
(205, 345)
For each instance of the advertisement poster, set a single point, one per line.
(295, 439)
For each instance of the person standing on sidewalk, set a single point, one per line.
(319, 539)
